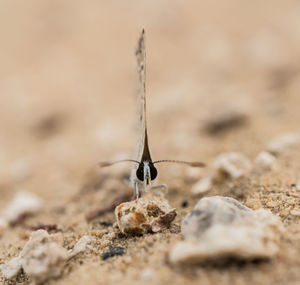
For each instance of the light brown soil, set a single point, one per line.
(67, 101)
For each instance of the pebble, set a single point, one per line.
(81, 246)
(113, 251)
(144, 215)
(220, 227)
(295, 213)
(11, 268)
(41, 258)
(204, 185)
(266, 161)
(232, 164)
(23, 203)
(272, 204)
(298, 184)
(283, 142)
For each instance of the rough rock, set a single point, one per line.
(11, 268)
(283, 142)
(23, 203)
(266, 161)
(147, 214)
(221, 227)
(204, 185)
(232, 164)
(41, 258)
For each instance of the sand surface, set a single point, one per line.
(67, 101)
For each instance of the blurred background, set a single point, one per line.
(68, 81)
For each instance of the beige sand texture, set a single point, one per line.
(67, 101)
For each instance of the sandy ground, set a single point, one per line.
(67, 85)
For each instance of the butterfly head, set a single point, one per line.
(146, 172)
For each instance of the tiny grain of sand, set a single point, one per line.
(67, 102)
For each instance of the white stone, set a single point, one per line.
(41, 258)
(281, 143)
(82, 244)
(233, 164)
(295, 213)
(221, 227)
(11, 268)
(266, 161)
(298, 184)
(204, 185)
(23, 203)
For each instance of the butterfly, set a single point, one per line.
(144, 170)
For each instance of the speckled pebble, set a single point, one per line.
(147, 214)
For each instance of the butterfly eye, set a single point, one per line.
(140, 172)
(153, 171)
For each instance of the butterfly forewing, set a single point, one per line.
(143, 148)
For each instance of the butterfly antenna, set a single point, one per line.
(192, 164)
(109, 163)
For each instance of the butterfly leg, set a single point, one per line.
(137, 193)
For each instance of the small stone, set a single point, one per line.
(11, 268)
(284, 212)
(144, 215)
(232, 164)
(204, 185)
(184, 204)
(271, 204)
(220, 227)
(23, 203)
(83, 244)
(283, 142)
(98, 233)
(266, 161)
(41, 258)
(192, 173)
(295, 213)
(256, 207)
(298, 185)
(253, 203)
(113, 251)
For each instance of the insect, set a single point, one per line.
(144, 170)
